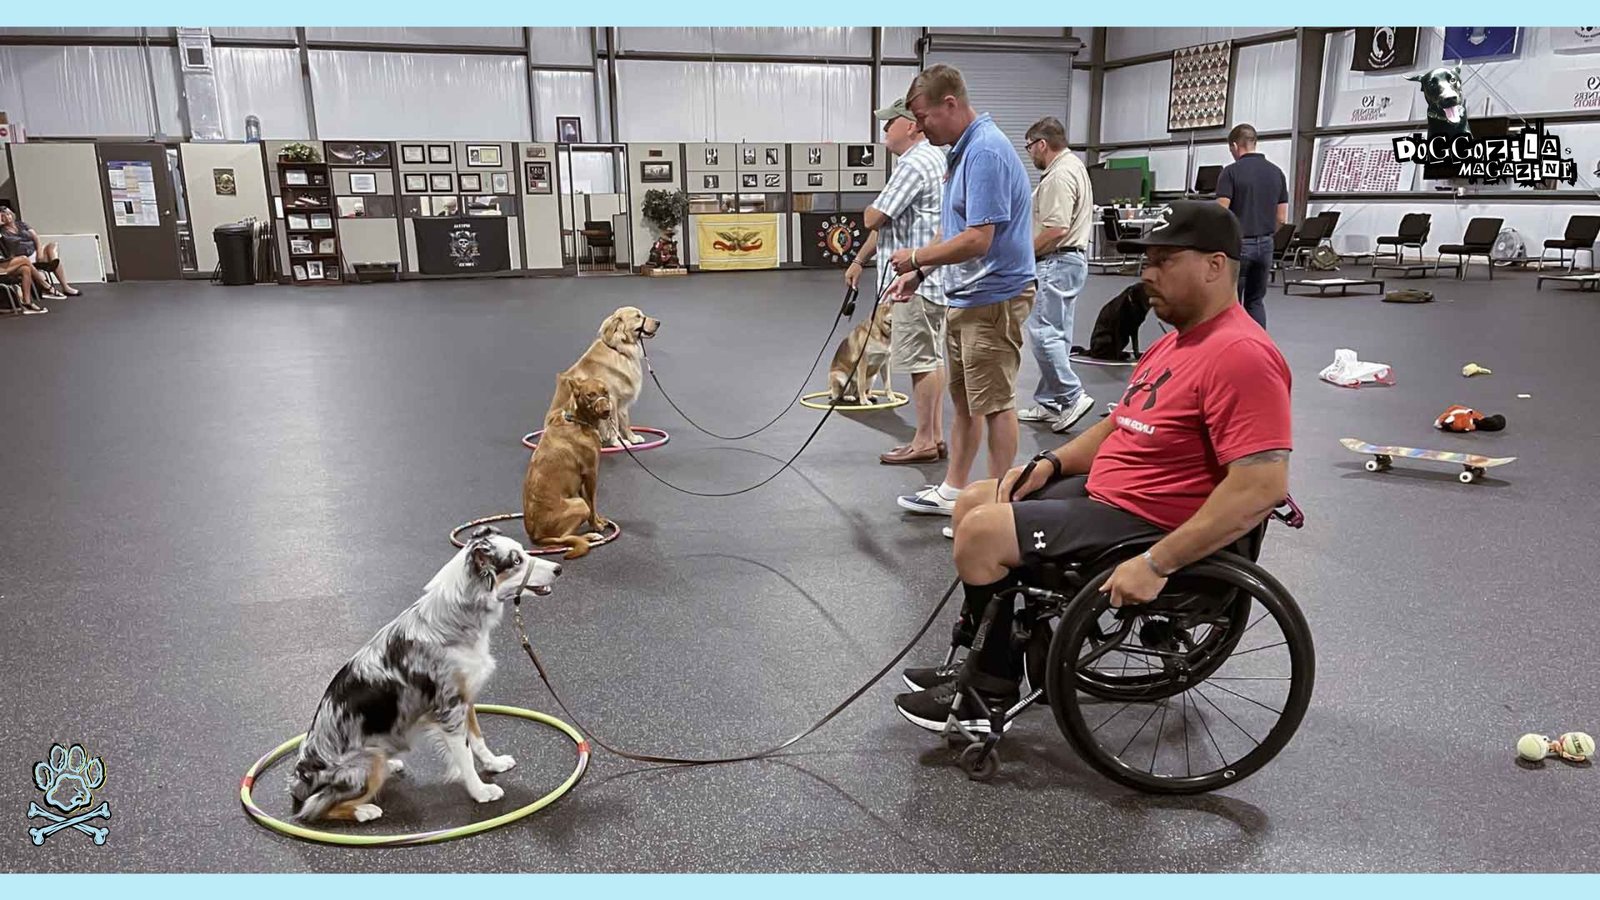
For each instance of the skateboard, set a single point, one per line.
(1472, 464)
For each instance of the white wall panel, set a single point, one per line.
(364, 95)
(277, 33)
(263, 82)
(786, 41)
(71, 32)
(563, 94)
(562, 46)
(1125, 42)
(895, 81)
(1136, 102)
(1078, 128)
(901, 42)
(1263, 86)
(477, 37)
(86, 91)
(672, 101)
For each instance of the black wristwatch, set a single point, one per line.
(1050, 455)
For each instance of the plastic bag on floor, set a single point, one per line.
(1347, 371)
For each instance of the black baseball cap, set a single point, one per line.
(1191, 225)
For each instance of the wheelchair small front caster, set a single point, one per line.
(980, 761)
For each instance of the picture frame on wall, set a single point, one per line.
(416, 183)
(412, 153)
(814, 179)
(538, 177)
(858, 179)
(295, 177)
(569, 130)
(773, 180)
(300, 246)
(439, 153)
(483, 156)
(327, 245)
(749, 181)
(442, 183)
(500, 182)
(813, 156)
(470, 182)
(363, 183)
(298, 222)
(358, 153)
(321, 221)
(299, 273)
(656, 172)
(711, 156)
(536, 151)
(748, 156)
(772, 156)
(314, 270)
(712, 182)
(860, 156)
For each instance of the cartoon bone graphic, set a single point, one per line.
(103, 811)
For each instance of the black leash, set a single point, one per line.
(527, 646)
(849, 306)
(845, 311)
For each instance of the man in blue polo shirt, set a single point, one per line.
(1257, 193)
(986, 260)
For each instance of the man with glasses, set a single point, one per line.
(1193, 456)
(1063, 213)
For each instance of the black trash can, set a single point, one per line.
(235, 253)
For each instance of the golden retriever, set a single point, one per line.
(614, 358)
(843, 385)
(559, 489)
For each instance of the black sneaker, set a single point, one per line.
(930, 709)
(925, 677)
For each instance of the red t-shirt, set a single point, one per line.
(1197, 402)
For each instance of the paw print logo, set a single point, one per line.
(68, 780)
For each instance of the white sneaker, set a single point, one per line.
(929, 501)
(949, 532)
(1037, 413)
(1066, 420)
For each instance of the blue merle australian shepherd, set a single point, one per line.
(418, 676)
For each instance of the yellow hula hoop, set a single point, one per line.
(421, 837)
(895, 399)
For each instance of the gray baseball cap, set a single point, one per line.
(895, 110)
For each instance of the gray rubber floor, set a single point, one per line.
(209, 497)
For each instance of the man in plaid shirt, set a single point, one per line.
(905, 216)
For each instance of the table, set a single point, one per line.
(1584, 282)
(1343, 284)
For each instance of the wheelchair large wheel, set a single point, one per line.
(1204, 719)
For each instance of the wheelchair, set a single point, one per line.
(1215, 673)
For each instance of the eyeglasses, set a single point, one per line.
(1029, 145)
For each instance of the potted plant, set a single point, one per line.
(664, 210)
(298, 152)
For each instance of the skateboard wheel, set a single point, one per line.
(1467, 477)
(1373, 465)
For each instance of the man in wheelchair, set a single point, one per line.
(1193, 456)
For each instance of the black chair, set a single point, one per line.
(1078, 651)
(1313, 232)
(1414, 228)
(598, 236)
(1478, 241)
(1582, 232)
(1280, 245)
(1112, 231)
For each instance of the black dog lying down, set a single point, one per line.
(1117, 326)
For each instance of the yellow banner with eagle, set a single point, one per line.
(737, 240)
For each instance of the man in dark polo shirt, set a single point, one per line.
(1258, 194)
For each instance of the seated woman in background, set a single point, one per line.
(18, 241)
(22, 271)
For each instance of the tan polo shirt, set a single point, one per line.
(1064, 199)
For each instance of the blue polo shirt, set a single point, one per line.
(986, 185)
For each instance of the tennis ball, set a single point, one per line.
(1533, 747)
(1577, 745)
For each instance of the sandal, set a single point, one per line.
(72, 292)
(34, 310)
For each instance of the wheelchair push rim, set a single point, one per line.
(1208, 732)
(1204, 653)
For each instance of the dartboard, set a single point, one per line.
(838, 239)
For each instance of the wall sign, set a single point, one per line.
(1575, 40)
(1481, 43)
(1389, 104)
(132, 185)
(1384, 49)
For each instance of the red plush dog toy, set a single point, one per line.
(1462, 418)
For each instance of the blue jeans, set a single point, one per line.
(1049, 326)
(1255, 266)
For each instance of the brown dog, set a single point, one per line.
(873, 334)
(558, 491)
(615, 358)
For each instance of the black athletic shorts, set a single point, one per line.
(1061, 521)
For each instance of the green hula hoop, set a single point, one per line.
(421, 837)
(895, 399)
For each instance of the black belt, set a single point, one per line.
(1064, 250)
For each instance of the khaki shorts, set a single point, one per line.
(917, 335)
(984, 350)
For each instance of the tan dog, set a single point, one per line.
(615, 359)
(558, 491)
(874, 335)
